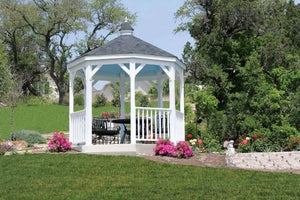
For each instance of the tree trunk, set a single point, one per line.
(28, 87)
(61, 93)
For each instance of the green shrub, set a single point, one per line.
(141, 99)
(100, 100)
(211, 145)
(32, 100)
(144, 101)
(79, 99)
(191, 128)
(31, 137)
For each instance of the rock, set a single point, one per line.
(8, 153)
(19, 145)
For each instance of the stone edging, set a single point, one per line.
(265, 161)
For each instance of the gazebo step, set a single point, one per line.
(117, 149)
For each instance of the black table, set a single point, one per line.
(127, 121)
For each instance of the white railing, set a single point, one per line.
(153, 123)
(77, 129)
(179, 126)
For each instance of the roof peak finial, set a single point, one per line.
(126, 29)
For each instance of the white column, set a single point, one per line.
(172, 104)
(182, 132)
(88, 105)
(160, 90)
(181, 91)
(71, 103)
(132, 103)
(122, 94)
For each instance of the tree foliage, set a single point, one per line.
(24, 55)
(40, 32)
(5, 81)
(247, 55)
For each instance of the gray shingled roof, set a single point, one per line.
(127, 44)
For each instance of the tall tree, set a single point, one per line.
(103, 18)
(5, 80)
(56, 21)
(25, 56)
(247, 55)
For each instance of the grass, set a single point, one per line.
(44, 118)
(78, 176)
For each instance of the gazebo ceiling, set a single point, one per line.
(107, 72)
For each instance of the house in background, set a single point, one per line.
(47, 87)
(141, 86)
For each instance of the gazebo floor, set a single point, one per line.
(116, 149)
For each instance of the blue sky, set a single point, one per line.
(156, 22)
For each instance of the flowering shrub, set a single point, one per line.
(164, 147)
(184, 150)
(256, 144)
(5, 147)
(197, 145)
(111, 114)
(59, 143)
(293, 143)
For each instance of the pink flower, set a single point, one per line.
(59, 142)
(245, 141)
(255, 136)
(189, 136)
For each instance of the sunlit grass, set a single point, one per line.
(69, 176)
(46, 118)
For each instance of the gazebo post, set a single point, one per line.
(122, 94)
(122, 97)
(181, 136)
(172, 104)
(160, 90)
(132, 102)
(71, 102)
(88, 105)
(181, 91)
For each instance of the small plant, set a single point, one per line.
(184, 150)
(256, 144)
(59, 143)
(293, 143)
(164, 147)
(111, 114)
(100, 100)
(5, 148)
(79, 99)
(197, 145)
(31, 137)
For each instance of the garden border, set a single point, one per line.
(265, 161)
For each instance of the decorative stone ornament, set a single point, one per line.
(230, 148)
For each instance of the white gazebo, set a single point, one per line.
(129, 59)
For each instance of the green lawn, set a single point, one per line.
(44, 118)
(78, 176)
